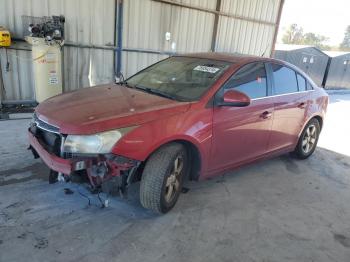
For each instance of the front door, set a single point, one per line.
(241, 134)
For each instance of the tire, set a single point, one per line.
(305, 148)
(162, 178)
(53, 177)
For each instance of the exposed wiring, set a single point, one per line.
(83, 195)
(104, 202)
(99, 198)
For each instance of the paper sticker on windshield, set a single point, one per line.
(208, 69)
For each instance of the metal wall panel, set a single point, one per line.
(87, 22)
(247, 37)
(339, 72)
(145, 23)
(18, 81)
(135, 61)
(208, 4)
(263, 10)
(85, 67)
(1, 87)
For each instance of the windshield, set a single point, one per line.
(179, 78)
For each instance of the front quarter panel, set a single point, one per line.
(194, 126)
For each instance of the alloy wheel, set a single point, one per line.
(172, 185)
(309, 139)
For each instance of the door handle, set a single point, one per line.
(266, 115)
(302, 105)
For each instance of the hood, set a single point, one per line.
(102, 108)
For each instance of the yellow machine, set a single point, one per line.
(5, 37)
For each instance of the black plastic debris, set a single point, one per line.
(68, 191)
(184, 190)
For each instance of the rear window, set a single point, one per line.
(285, 80)
(309, 86)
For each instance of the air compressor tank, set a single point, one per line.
(47, 68)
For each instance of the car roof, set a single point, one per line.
(228, 57)
(241, 59)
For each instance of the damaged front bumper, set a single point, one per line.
(65, 166)
(102, 170)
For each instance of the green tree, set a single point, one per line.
(315, 40)
(345, 45)
(293, 35)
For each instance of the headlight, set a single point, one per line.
(100, 143)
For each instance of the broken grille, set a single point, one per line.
(44, 125)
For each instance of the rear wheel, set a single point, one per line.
(162, 178)
(308, 139)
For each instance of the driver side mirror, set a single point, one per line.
(234, 98)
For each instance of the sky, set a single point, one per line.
(325, 17)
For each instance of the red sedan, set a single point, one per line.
(186, 117)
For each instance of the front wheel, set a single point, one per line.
(162, 178)
(308, 139)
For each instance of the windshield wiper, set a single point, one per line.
(154, 91)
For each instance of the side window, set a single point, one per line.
(250, 80)
(301, 83)
(285, 80)
(308, 86)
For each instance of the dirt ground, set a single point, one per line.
(278, 210)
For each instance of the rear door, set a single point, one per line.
(242, 133)
(290, 102)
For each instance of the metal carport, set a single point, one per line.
(310, 59)
(339, 70)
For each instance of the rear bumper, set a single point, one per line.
(65, 166)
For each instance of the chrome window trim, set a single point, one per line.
(253, 99)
